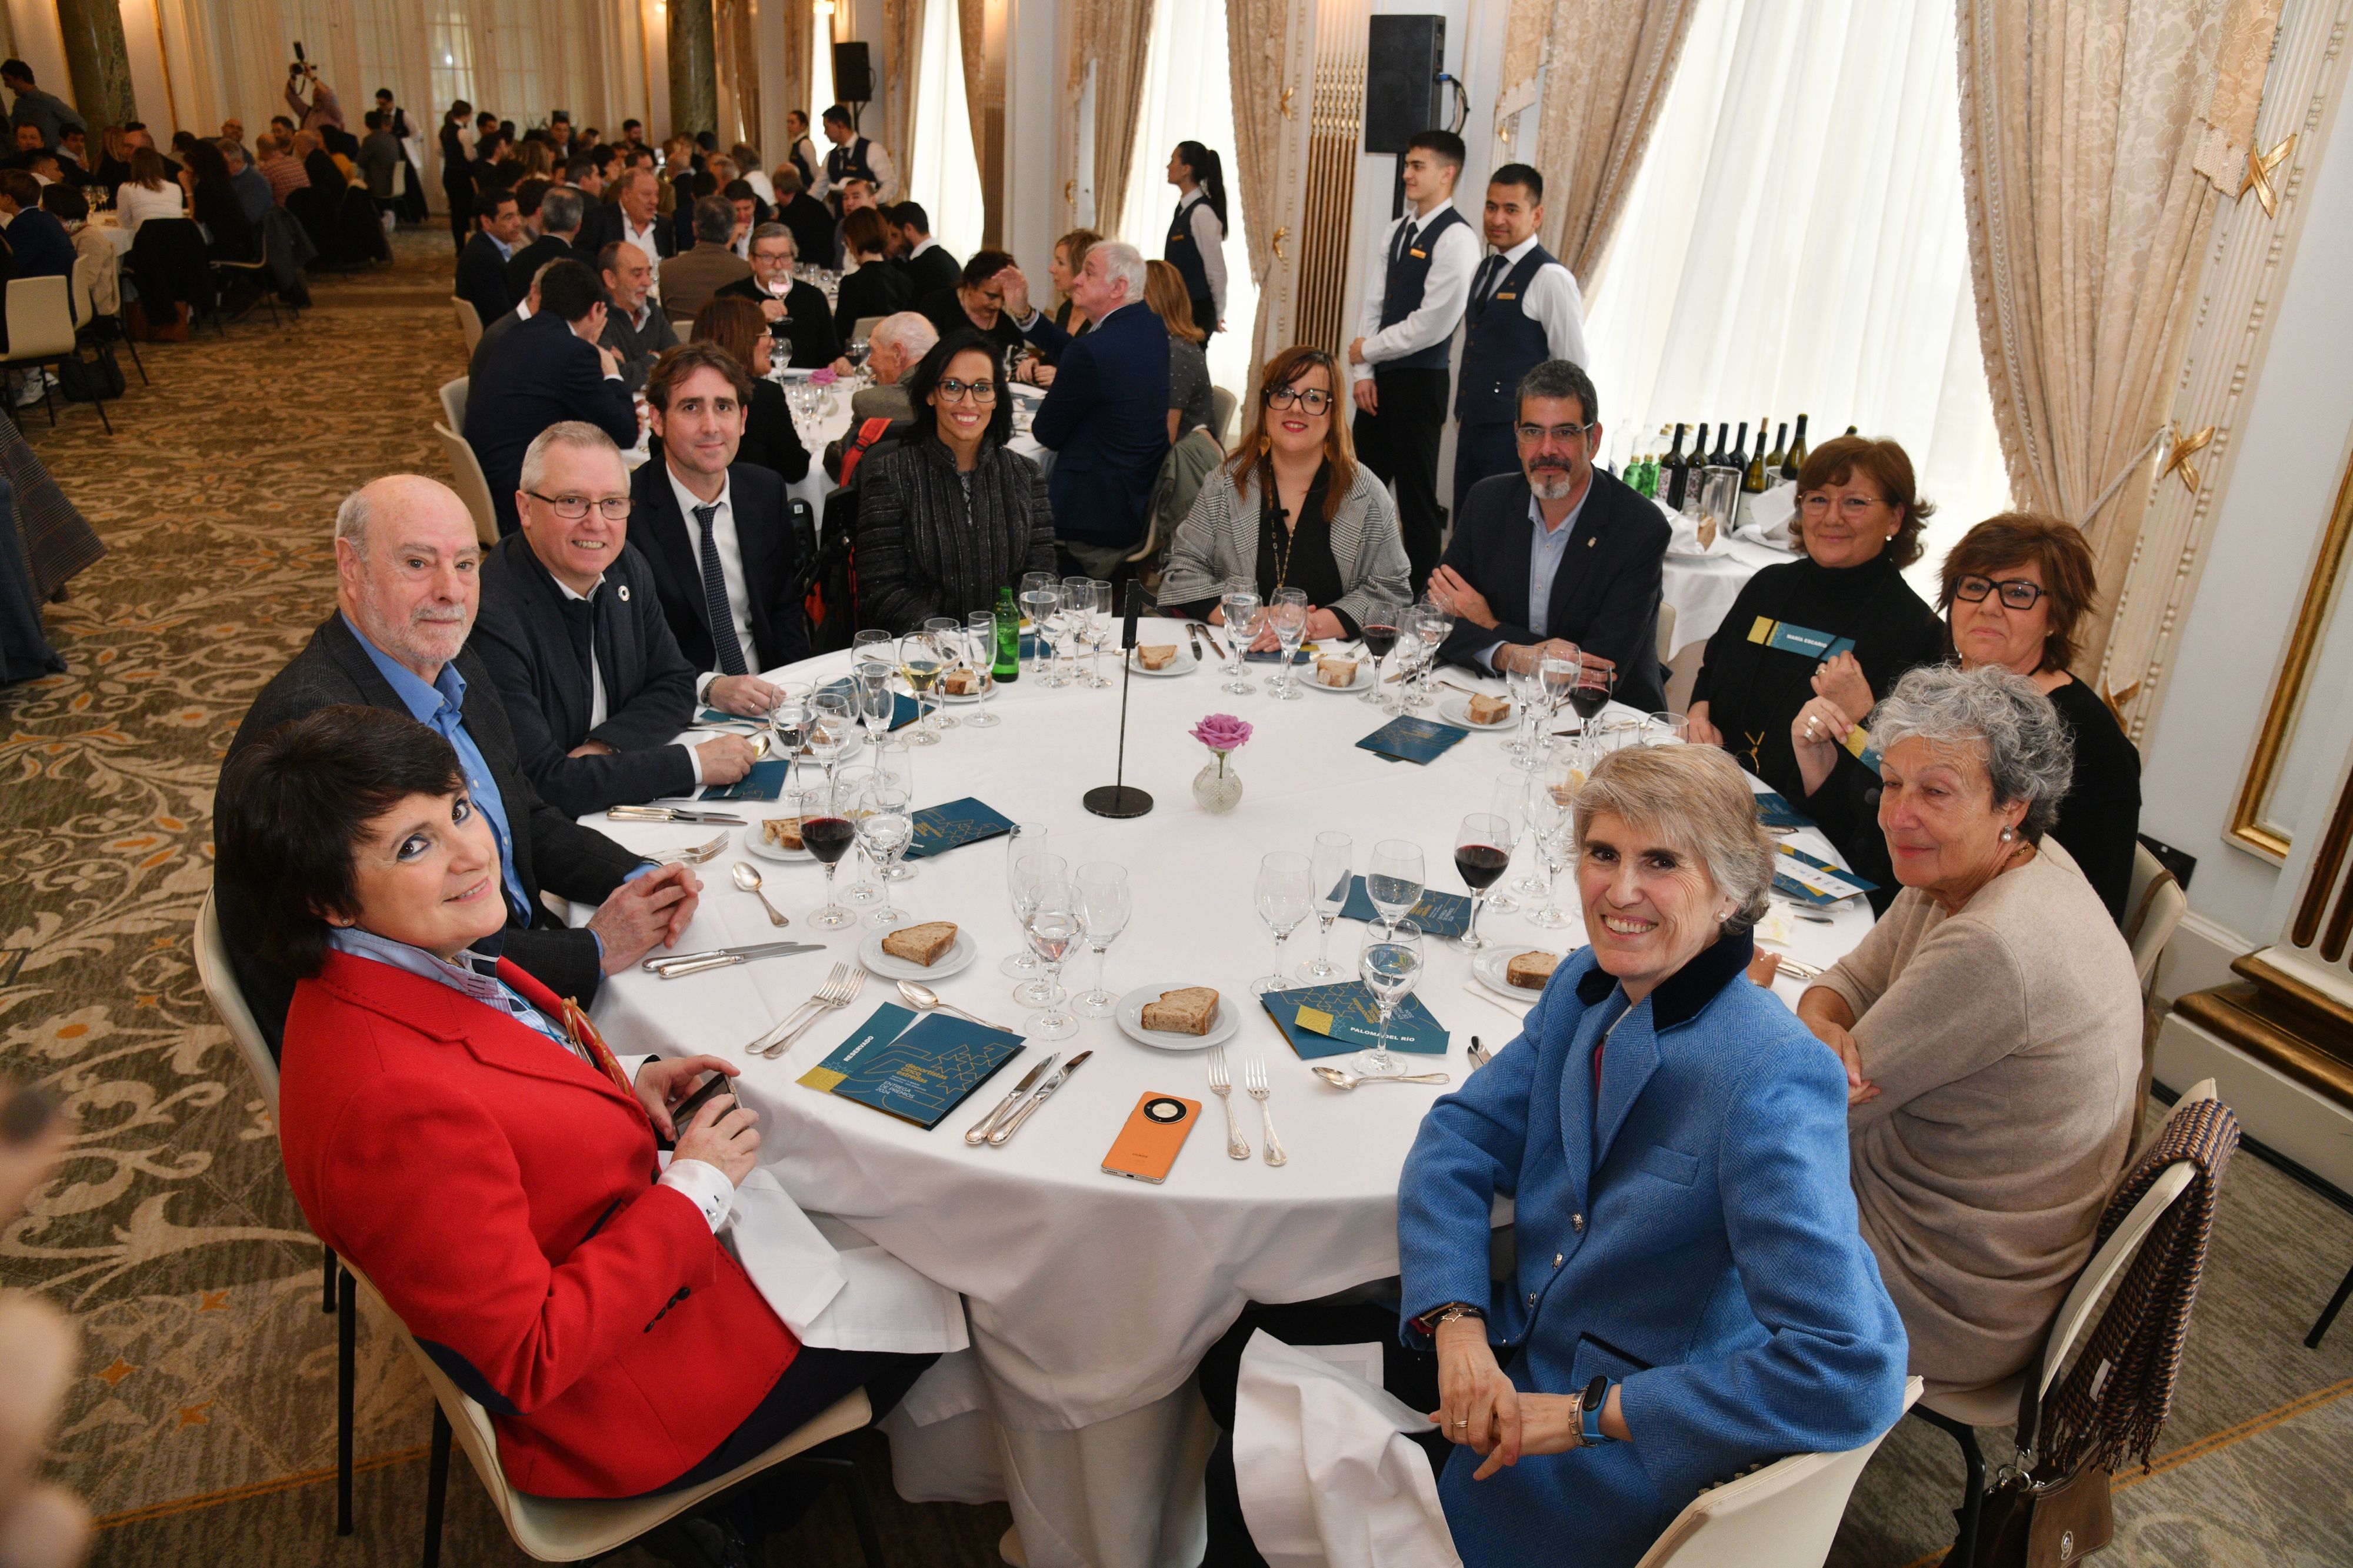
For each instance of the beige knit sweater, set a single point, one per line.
(2005, 1041)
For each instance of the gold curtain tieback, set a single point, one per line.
(2118, 702)
(2179, 458)
(1280, 235)
(1285, 105)
(1069, 192)
(2259, 173)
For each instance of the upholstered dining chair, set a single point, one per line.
(470, 322)
(453, 401)
(466, 471)
(41, 331)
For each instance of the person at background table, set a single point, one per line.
(637, 330)
(1524, 310)
(548, 369)
(1559, 554)
(456, 170)
(1106, 415)
(751, 212)
(320, 164)
(853, 157)
(283, 173)
(747, 159)
(254, 196)
(1405, 337)
(1293, 507)
(719, 532)
(977, 302)
(770, 440)
(38, 245)
(812, 226)
(2015, 588)
(1068, 259)
(1989, 1024)
(213, 202)
(467, 1141)
(1190, 407)
(1859, 515)
(95, 257)
(928, 264)
(796, 312)
(409, 569)
(380, 161)
(1196, 245)
(692, 278)
(73, 158)
(572, 632)
(898, 345)
(948, 516)
(629, 216)
(31, 105)
(148, 192)
(482, 265)
(874, 287)
(561, 213)
(495, 333)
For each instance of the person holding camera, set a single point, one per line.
(321, 108)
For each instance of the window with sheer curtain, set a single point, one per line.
(943, 174)
(1188, 96)
(1795, 241)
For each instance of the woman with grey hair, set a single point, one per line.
(1990, 1025)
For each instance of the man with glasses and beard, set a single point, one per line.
(1557, 553)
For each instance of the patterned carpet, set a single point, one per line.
(202, 1431)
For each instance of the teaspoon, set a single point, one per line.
(1339, 1079)
(748, 879)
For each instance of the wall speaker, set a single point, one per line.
(853, 73)
(1401, 69)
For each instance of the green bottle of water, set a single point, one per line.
(1007, 668)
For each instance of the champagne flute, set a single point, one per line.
(1054, 924)
(1024, 838)
(1240, 609)
(980, 638)
(946, 637)
(884, 822)
(1283, 895)
(921, 662)
(1389, 963)
(1482, 852)
(1328, 881)
(1380, 632)
(1288, 615)
(1032, 876)
(1394, 879)
(1078, 614)
(829, 835)
(1105, 905)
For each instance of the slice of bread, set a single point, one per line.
(1190, 1011)
(960, 682)
(784, 832)
(1155, 655)
(1530, 971)
(1332, 671)
(926, 944)
(1490, 710)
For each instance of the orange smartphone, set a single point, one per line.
(1146, 1147)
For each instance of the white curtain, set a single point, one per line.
(1188, 96)
(1796, 241)
(945, 172)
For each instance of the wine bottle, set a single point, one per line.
(1851, 429)
(1007, 668)
(1720, 458)
(1671, 472)
(1753, 480)
(1780, 452)
(1738, 458)
(1797, 457)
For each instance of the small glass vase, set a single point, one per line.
(1216, 788)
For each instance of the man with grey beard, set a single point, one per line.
(1559, 557)
(407, 574)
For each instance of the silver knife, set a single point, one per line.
(672, 967)
(669, 814)
(981, 1129)
(1013, 1122)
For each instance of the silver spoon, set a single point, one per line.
(1339, 1079)
(748, 879)
(924, 999)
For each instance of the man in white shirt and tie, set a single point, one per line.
(1525, 310)
(1398, 361)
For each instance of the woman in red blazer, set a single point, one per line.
(466, 1140)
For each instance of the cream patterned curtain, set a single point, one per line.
(1268, 99)
(2080, 127)
(972, 17)
(902, 25)
(1112, 34)
(800, 27)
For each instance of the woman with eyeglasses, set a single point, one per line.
(770, 440)
(1291, 509)
(949, 516)
(2015, 589)
(1860, 516)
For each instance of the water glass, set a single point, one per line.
(1032, 875)
(1240, 612)
(1044, 609)
(1394, 879)
(1053, 926)
(945, 634)
(1328, 877)
(895, 761)
(980, 650)
(885, 822)
(789, 714)
(1284, 893)
(849, 791)
(1026, 838)
(1288, 615)
(1665, 730)
(1389, 963)
(1106, 906)
(877, 704)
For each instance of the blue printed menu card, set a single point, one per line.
(940, 828)
(1438, 914)
(1328, 1020)
(1773, 811)
(1412, 740)
(1799, 877)
(709, 718)
(765, 781)
(918, 1074)
(1274, 656)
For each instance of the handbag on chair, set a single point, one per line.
(2054, 1521)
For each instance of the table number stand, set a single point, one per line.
(1120, 798)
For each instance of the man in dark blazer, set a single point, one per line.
(482, 265)
(812, 224)
(406, 562)
(926, 260)
(559, 224)
(1558, 552)
(1106, 415)
(797, 312)
(548, 369)
(631, 214)
(719, 536)
(573, 631)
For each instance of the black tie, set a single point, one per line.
(715, 596)
(1491, 272)
(1404, 242)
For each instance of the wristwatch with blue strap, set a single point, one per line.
(1596, 1395)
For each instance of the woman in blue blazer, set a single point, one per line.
(1689, 1263)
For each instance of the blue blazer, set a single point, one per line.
(1688, 1230)
(1106, 420)
(541, 373)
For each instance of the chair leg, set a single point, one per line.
(2329, 1313)
(49, 404)
(1964, 1549)
(327, 1280)
(436, 1486)
(347, 1375)
(132, 344)
(861, 1507)
(102, 419)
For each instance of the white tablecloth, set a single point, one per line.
(1092, 1297)
(116, 234)
(1702, 588)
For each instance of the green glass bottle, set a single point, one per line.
(1007, 668)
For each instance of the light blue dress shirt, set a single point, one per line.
(475, 973)
(1546, 549)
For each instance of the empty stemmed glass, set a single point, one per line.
(1104, 906)
(1053, 925)
(1283, 895)
(1509, 800)
(832, 728)
(851, 797)
(884, 821)
(1328, 877)
(1099, 628)
(1032, 875)
(788, 715)
(1389, 963)
(1557, 677)
(1044, 609)
(1078, 619)
(1287, 615)
(1524, 678)
(1431, 624)
(870, 684)
(980, 649)
(1482, 852)
(1024, 838)
(1551, 821)
(1241, 610)
(1394, 878)
(945, 635)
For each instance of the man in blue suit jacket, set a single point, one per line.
(482, 265)
(1106, 414)
(547, 368)
(36, 242)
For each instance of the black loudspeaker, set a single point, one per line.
(1401, 69)
(853, 73)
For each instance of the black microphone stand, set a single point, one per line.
(1121, 798)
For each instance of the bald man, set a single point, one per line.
(408, 570)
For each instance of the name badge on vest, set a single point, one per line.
(1418, 254)
(1514, 295)
(1798, 639)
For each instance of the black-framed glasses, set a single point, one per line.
(953, 390)
(1315, 400)
(1536, 434)
(2017, 593)
(572, 509)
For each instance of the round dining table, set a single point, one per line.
(1090, 1296)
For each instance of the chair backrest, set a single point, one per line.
(470, 322)
(40, 317)
(84, 269)
(2153, 908)
(227, 998)
(1221, 413)
(1783, 1516)
(466, 470)
(1666, 638)
(864, 327)
(453, 401)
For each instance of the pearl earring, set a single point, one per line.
(2007, 834)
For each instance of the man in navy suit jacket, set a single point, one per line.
(482, 265)
(37, 241)
(1106, 415)
(547, 368)
(1559, 551)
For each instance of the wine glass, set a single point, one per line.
(1665, 730)
(1031, 874)
(877, 704)
(1328, 882)
(1524, 678)
(980, 637)
(1400, 678)
(1482, 852)
(921, 662)
(851, 792)
(1105, 904)
(1099, 628)
(1394, 878)
(1077, 614)
(1557, 677)
(789, 714)
(1591, 693)
(1431, 625)
(1041, 605)
(1552, 822)
(1288, 615)
(1241, 610)
(945, 634)
(1053, 925)
(829, 835)
(884, 821)
(1024, 838)
(1389, 963)
(1380, 631)
(833, 728)
(894, 760)
(1283, 895)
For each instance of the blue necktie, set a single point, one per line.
(715, 596)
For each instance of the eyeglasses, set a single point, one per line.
(1315, 400)
(2017, 593)
(955, 390)
(1562, 435)
(572, 509)
(1819, 505)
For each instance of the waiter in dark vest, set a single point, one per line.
(1525, 310)
(1399, 362)
(1196, 246)
(853, 156)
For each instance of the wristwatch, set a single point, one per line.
(1437, 1318)
(1596, 1395)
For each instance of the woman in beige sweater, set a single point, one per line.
(1990, 1027)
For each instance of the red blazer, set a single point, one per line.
(500, 1192)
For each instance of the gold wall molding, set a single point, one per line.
(2250, 825)
(1334, 140)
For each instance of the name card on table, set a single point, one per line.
(940, 828)
(1799, 877)
(1775, 812)
(1410, 740)
(1798, 639)
(1327, 1020)
(765, 781)
(918, 1074)
(1438, 914)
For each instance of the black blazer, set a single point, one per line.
(493, 333)
(1106, 420)
(550, 850)
(541, 373)
(1605, 598)
(603, 226)
(877, 288)
(771, 561)
(527, 261)
(934, 269)
(522, 636)
(814, 239)
(808, 325)
(482, 279)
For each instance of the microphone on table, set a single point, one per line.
(1120, 798)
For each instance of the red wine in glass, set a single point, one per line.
(827, 837)
(1590, 695)
(1480, 865)
(1378, 640)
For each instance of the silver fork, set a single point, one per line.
(1222, 1086)
(699, 855)
(831, 998)
(840, 972)
(1254, 1079)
